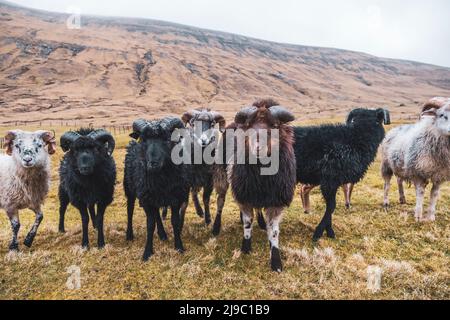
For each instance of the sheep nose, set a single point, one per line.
(27, 159)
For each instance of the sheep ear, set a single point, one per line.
(50, 140)
(8, 143)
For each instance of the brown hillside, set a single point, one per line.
(113, 70)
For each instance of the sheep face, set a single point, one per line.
(368, 117)
(442, 122)
(29, 149)
(87, 148)
(262, 124)
(86, 155)
(202, 123)
(155, 150)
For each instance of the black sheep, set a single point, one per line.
(153, 178)
(251, 189)
(334, 155)
(87, 177)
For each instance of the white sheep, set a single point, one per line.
(25, 177)
(420, 153)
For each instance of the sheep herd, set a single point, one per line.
(329, 156)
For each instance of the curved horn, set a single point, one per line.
(49, 137)
(138, 126)
(350, 117)
(67, 139)
(8, 141)
(218, 118)
(242, 116)
(172, 123)
(104, 137)
(387, 117)
(281, 114)
(188, 116)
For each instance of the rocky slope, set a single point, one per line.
(113, 70)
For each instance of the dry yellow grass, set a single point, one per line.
(414, 257)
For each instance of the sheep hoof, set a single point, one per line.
(306, 212)
(130, 236)
(200, 214)
(101, 245)
(317, 235)
(275, 260)
(216, 228)
(386, 206)
(208, 221)
(14, 247)
(163, 236)
(147, 256)
(180, 249)
(61, 230)
(246, 247)
(402, 201)
(28, 241)
(331, 234)
(348, 206)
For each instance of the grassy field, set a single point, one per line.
(414, 258)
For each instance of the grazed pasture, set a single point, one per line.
(414, 258)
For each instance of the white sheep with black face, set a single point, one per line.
(25, 177)
(420, 153)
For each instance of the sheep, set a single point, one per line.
(201, 124)
(87, 178)
(334, 155)
(253, 190)
(305, 190)
(152, 177)
(419, 153)
(25, 178)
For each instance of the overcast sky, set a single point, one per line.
(406, 29)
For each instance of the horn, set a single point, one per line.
(243, 115)
(281, 114)
(172, 123)
(67, 139)
(187, 116)
(218, 118)
(387, 117)
(49, 137)
(138, 126)
(350, 117)
(104, 137)
(8, 141)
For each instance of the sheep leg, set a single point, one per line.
(92, 214)
(30, 236)
(130, 209)
(348, 190)
(420, 194)
(273, 216)
(100, 218)
(261, 221)
(63, 203)
(247, 217)
(160, 228)
(176, 225)
(164, 213)
(433, 201)
(198, 207)
(183, 208)
(13, 216)
(151, 213)
(218, 220)
(206, 199)
(401, 191)
(329, 193)
(387, 173)
(85, 227)
(304, 195)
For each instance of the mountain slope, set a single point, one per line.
(113, 70)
